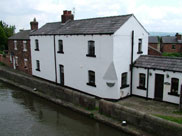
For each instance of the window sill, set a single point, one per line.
(140, 52)
(174, 94)
(37, 69)
(61, 52)
(125, 86)
(25, 50)
(36, 49)
(91, 84)
(142, 88)
(89, 55)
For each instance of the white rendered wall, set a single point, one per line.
(122, 49)
(77, 64)
(45, 55)
(167, 88)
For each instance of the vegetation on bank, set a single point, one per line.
(172, 54)
(170, 118)
(6, 31)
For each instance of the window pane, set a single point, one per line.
(142, 80)
(92, 77)
(124, 79)
(91, 47)
(174, 85)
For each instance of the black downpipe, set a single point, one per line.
(55, 59)
(147, 93)
(131, 65)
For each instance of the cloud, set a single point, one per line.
(163, 15)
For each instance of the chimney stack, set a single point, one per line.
(34, 24)
(67, 15)
(178, 36)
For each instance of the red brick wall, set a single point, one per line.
(168, 48)
(154, 45)
(21, 55)
(154, 52)
(5, 60)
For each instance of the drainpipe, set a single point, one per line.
(55, 58)
(131, 65)
(147, 93)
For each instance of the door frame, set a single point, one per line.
(155, 87)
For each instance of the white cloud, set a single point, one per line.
(154, 15)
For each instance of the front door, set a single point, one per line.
(159, 85)
(61, 67)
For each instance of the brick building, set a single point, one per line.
(171, 44)
(154, 46)
(19, 49)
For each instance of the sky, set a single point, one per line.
(154, 15)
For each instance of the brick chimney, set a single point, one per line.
(34, 24)
(178, 36)
(67, 15)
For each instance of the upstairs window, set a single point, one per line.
(173, 46)
(15, 45)
(141, 81)
(91, 49)
(124, 80)
(24, 45)
(174, 86)
(36, 45)
(60, 46)
(139, 46)
(37, 65)
(91, 78)
(25, 63)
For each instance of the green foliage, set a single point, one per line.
(170, 118)
(178, 112)
(172, 54)
(5, 32)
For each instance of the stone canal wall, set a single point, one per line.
(139, 124)
(51, 90)
(151, 124)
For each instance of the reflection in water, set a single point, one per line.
(23, 114)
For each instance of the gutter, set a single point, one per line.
(55, 58)
(131, 65)
(147, 93)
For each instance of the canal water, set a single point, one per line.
(24, 114)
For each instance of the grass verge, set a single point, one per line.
(170, 118)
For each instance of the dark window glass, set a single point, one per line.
(38, 65)
(139, 45)
(91, 75)
(91, 48)
(124, 79)
(142, 81)
(174, 85)
(36, 45)
(60, 46)
(173, 46)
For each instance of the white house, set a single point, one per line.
(90, 55)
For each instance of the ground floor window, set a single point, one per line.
(124, 80)
(141, 81)
(174, 86)
(16, 60)
(91, 78)
(37, 65)
(25, 63)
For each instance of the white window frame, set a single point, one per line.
(16, 60)
(24, 45)
(15, 45)
(25, 63)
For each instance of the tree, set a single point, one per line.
(8, 31)
(3, 39)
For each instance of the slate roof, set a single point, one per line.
(170, 39)
(159, 62)
(22, 35)
(103, 25)
(153, 39)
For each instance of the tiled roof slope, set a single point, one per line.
(153, 39)
(104, 25)
(22, 35)
(170, 39)
(159, 62)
